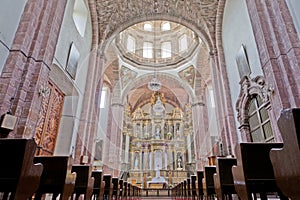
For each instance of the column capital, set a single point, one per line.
(199, 103)
(117, 104)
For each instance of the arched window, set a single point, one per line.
(252, 107)
(148, 27)
(183, 43)
(148, 50)
(166, 50)
(259, 121)
(130, 44)
(103, 98)
(165, 26)
(80, 14)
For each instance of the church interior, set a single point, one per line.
(184, 99)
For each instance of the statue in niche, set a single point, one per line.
(157, 133)
(136, 161)
(179, 161)
(177, 133)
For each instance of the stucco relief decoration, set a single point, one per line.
(113, 14)
(126, 75)
(188, 75)
(138, 114)
(250, 87)
(188, 113)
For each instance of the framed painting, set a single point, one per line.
(72, 61)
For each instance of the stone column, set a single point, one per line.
(27, 66)
(146, 161)
(170, 158)
(279, 52)
(115, 134)
(151, 160)
(189, 150)
(166, 158)
(225, 113)
(202, 140)
(127, 148)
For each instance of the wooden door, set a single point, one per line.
(49, 120)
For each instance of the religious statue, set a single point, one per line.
(179, 163)
(136, 161)
(157, 133)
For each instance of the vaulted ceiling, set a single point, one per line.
(115, 16)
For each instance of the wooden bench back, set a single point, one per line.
(121, 184)
(55, 171)
(125, 189)
(285, 160)
(208, 175)
(256, 161)
(193, 184)
(84, 173)
(18, 173)
(224, 166)
(115, 182)
(200, 176)
(84, 181)
(108, 188)
(13, 153)
(98, 176)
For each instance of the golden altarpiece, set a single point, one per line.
(160, 144)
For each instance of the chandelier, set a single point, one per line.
(154, 84)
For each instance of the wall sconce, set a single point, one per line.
(44, 91)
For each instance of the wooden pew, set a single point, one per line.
(108, 187)
(173, 192)
(223, 180)
(129, 190)
(84, 181)
(135, 191)
(193, 185)
(57, 177)
(180, 190)
(189, 189)
(185, 188)
(254, 171)
(208, 182)
(286, 161)
(19, 176)
(99, 184)
(200, 193)
(121, 188)
(125, 193)
(115, 190)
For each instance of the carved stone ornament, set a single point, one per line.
(250, 87)
(114, 13)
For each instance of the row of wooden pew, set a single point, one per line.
(258, 169)
(25, 176)
(250, 176)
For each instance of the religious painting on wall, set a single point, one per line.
(72, 62)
